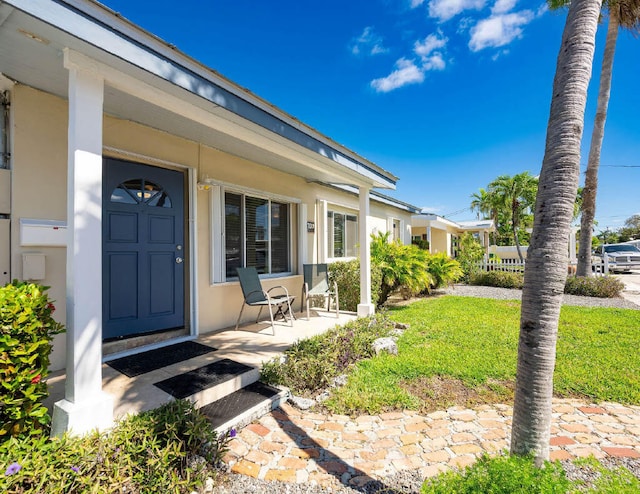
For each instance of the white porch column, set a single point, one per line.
(86, 406)
(429, 238)
(365, 307)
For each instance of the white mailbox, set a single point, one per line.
(47, 233)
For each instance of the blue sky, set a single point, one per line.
(445, 94)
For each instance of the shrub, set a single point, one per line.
(421, 244)
(501, 475)
(444, 271)
(170, 449)
(312, 364)
(500, 279)
(594, 286)
(27, 329)
(470, 255)
(402, 266)
(347, 275)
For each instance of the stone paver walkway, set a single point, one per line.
(296, 446)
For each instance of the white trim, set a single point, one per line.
(216, 238)
(302, 249)
(240, 189)
(192, 221)
(143, 158)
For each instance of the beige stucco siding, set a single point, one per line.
(39, 184)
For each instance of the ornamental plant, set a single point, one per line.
(26, 333)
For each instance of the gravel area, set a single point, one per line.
(510, 293)
(405, 482)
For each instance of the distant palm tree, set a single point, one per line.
(546, 269)
(622, 14)
(516, 196)
(486, 204)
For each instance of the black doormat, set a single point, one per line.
(230, 406)
(191, 382)
(141, 363)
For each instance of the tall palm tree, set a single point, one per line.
(622, 14)
(546, 269)
(517, 196)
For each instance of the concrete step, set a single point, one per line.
(243, 406)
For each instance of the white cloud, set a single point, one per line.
(434, 62)
(429, 51)
(499, 30)
(430, 43)
(443, 10)
(503, 6)
(416, 3)
(368, 43)
(406, 72)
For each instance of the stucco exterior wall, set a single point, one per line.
(39, 190)
(39, 184)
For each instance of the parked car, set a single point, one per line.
(621, 257)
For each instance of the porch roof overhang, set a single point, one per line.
(150, 82)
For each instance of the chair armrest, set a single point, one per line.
(286, 292)
(305, 289)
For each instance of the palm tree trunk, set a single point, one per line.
(517, 242)
(546, 269)
(591, 177)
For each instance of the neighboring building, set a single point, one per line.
(443, 234)
(140, 179)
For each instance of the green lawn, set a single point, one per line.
(467, 348)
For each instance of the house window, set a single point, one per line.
(397, 233)
(257, 233)
(342, 234)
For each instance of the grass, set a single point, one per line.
(471, 344)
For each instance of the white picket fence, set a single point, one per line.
(517, 266)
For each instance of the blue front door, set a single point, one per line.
(143, 249)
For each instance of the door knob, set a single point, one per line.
(178, 260)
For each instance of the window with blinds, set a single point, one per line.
(257, 233)
(342, 234)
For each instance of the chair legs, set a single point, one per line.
(238, 321)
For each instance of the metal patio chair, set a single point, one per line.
(316, 283)
(255, 296)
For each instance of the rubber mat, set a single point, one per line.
(191, 382)
(223, 410)
(141, 363)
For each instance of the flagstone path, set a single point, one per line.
(331, 450)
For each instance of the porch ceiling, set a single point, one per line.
(217, 113)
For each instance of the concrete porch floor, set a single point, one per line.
(252, 344)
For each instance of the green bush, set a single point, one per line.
(500, 279)
(403, 267)
(501, 475)
(421, 244)
(470, 255)
(444, 271)
(170, 449)
(312, 364)
(27, 329)
(594, 286)
(347, 275)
